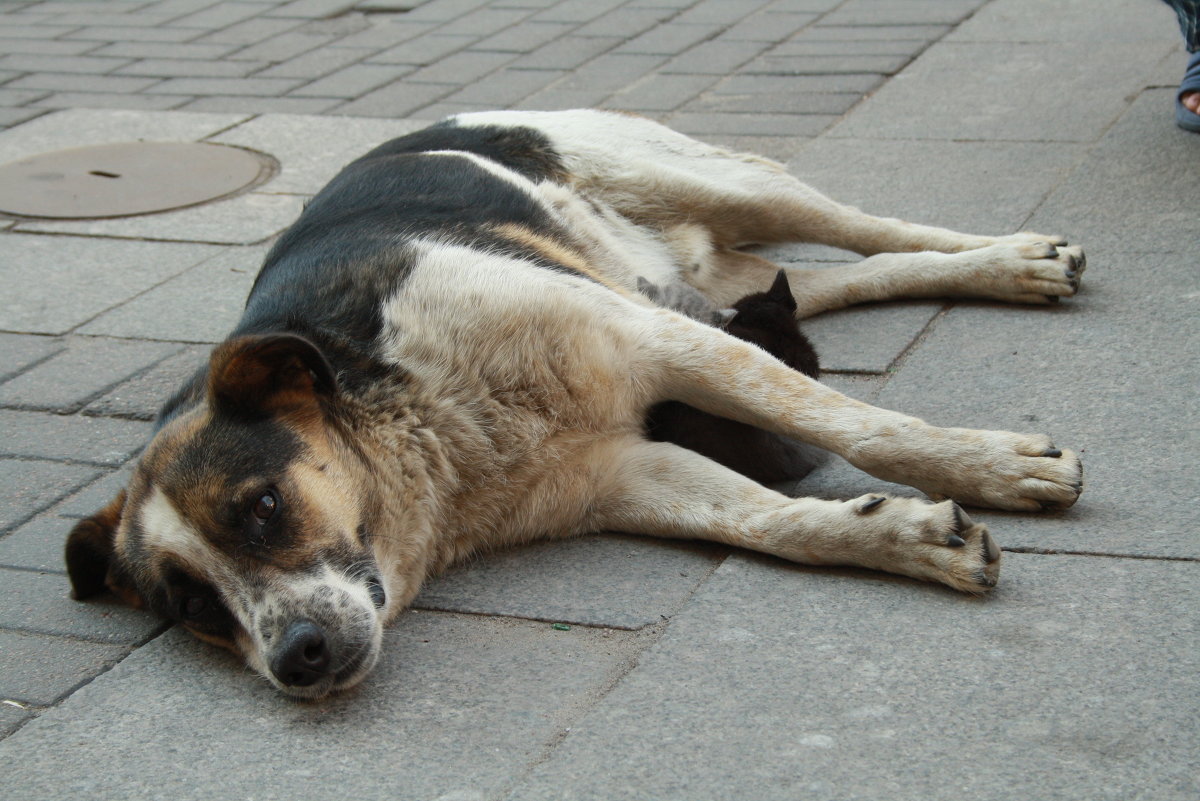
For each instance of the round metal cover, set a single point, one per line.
(129, 178)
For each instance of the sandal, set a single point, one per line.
(1184, 118)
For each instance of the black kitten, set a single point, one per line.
(768, 320)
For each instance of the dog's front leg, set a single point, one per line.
(727, 377)
(661, 489)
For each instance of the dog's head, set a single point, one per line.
(244, 522)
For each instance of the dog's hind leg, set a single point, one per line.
(1035, 272)
(661, 489)
(724, 376)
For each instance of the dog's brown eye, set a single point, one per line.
(193, 606)
(264, 507)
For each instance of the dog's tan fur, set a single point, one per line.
(520, 393)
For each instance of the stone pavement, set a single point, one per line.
(689, 671)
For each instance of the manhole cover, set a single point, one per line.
(128, 178)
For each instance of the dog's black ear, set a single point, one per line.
(266, 374)
(91, 563)
(781, 291)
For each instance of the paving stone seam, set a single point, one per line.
(24, 457)
(78, 406)
(74, 487)
(1026, 549)
(4, 377)
(100, 640)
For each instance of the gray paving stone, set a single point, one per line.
(872, 47)
(500, 89)
(670, 40)
(484, 21)
(36, 669)
(88, 65)
(605, 580)
(976, 187)
(660, 92)
(610, 72)
(1039, 692)
(200, 305)
(353, 81)
(88, 367)
(1132, 193)
(37, 544)
(767, 103)
(83, 127)
(1111, 374)
(163, 50)
(714, 58)
(1071, 21)
(282, 47)
(89, 440)
(626, 23)
(242, 220)
(248, 32)
(140, 397)
(98, 493)
(32, 485)
(568, 52)
(719, 11)
(316, 63)
(578, 10)
(17, 116)
(18, 352)
(771, 64)
(384, 33)
(74, 100)
(751, 124)
(12, 715)
(218, 16)
(426, 49)
(994, 99)
(40, 603)
(498, 691)
(767, 26)
(39, 31)
(45, 47)
(398, 99)
(255, 87)
(460, 67)
(67, 82)
(524, 38)
(864, 33)
(868, 338)
(770, 84)
(53, 284)
(901, 12)
(263, 105)
(190, 68)
(115, 33)
(311, 9)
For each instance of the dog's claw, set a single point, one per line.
(956, 541)
(871, 504)
(1052, 453)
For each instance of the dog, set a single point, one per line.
(447, 353)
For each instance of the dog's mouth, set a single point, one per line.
(328, 644)
(310, 662)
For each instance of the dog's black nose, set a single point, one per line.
(303, 655)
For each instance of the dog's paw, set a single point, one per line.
(931, 541)
(996, 469)
(1002, 470)
(1018, 271)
